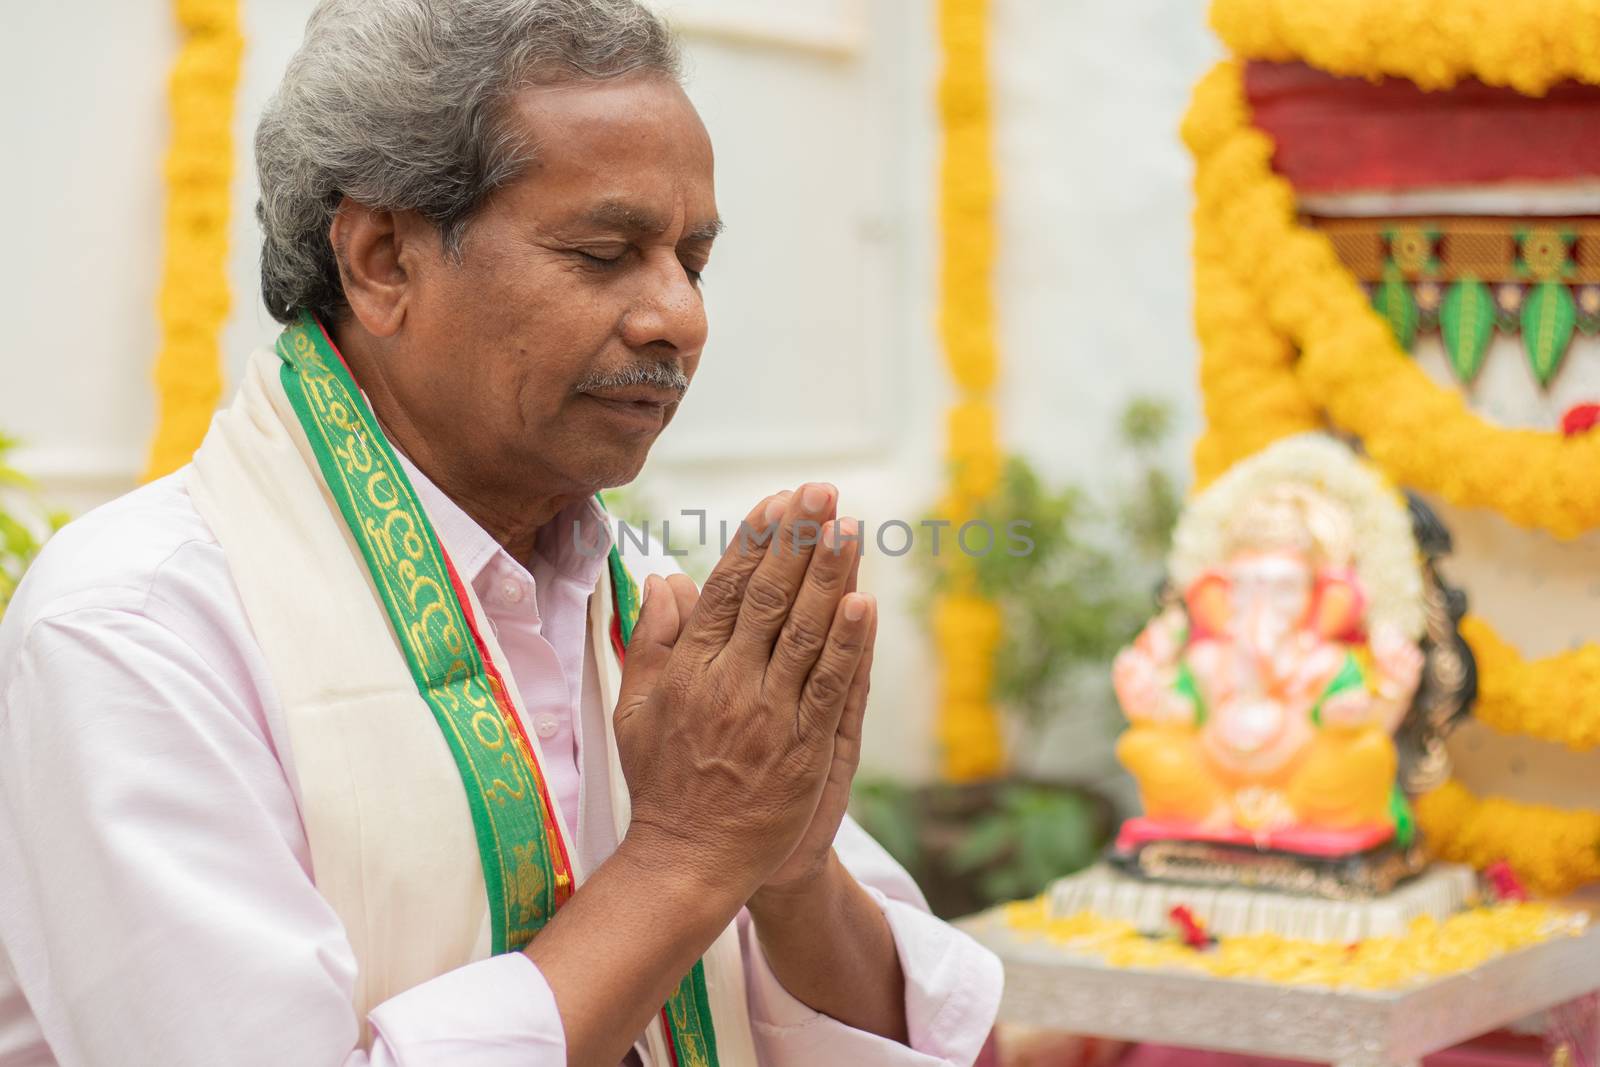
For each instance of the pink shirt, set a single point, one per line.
(156, 900)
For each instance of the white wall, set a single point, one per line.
(1094, 275)
(821, 111)
(83, 125)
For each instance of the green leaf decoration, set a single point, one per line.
(1395, 303)
(1549, 316)
(1466, 320)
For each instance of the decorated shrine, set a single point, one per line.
(1362, 733)
(1315, 781)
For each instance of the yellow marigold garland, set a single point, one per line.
(1553, 850)
(966, 626)
(1264, 281)
(1554, 699)
(1249, 392)
(1430, 949)
(1522, 44)
(194, 287)
(1349, 363)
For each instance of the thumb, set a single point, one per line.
(649, 648)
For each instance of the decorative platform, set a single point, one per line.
(1368, 875)
(1309, 841)
(1228, 911)
(1045, 987)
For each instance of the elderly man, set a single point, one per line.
(351, 742)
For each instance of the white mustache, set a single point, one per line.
(656, 375)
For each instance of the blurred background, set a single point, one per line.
(826, 122)
(823, 117)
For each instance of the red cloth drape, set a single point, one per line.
(1338, 135)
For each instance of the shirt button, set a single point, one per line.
(511, 591)
(545, 726)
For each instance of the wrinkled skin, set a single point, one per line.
(588, 266)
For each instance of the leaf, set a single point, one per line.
(985, 843)
(11, 476)
(1146, 422)
(17, 540)
(888, 812)
(1398, 307)
(1548, 319)
(1466, 319)
(21, 533)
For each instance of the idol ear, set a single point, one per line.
(1339, 606)
(1209, 603)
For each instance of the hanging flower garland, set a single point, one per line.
(1554, 699)
(193, 301)
(966, 625)
(1350, 365)
(1552, 850)
(1527, 46)
(1259, 386)
(1248, 388)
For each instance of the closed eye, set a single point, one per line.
(694, 266)
(600, 258)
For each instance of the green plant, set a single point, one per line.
(975, 845)
(1084, 589)
(24, 524)
(1149, 511)
(890, 811)
(1067, 606)
(1029, 838)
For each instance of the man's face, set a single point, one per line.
(561, 342)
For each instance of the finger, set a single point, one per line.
(848, 742)
(707, 630)
(804, 632)
(654, 635)
(855, 565)
(823, 698)
(847, 738)
(773, 585)
(685, 592)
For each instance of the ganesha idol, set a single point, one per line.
(1265, 700)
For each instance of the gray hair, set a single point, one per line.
(399, 105)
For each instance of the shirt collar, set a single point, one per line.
(576, 552)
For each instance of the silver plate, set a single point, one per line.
(1049, 989)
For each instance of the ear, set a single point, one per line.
(374, 252)
(1339, 606)
(1209, 604)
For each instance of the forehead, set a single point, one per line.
(1270, 564)
(633, 140)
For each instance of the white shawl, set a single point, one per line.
(392, 841)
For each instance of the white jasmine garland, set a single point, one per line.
(1385, 548)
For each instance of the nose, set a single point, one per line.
(668, 313)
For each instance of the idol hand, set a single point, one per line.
(731, 705)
